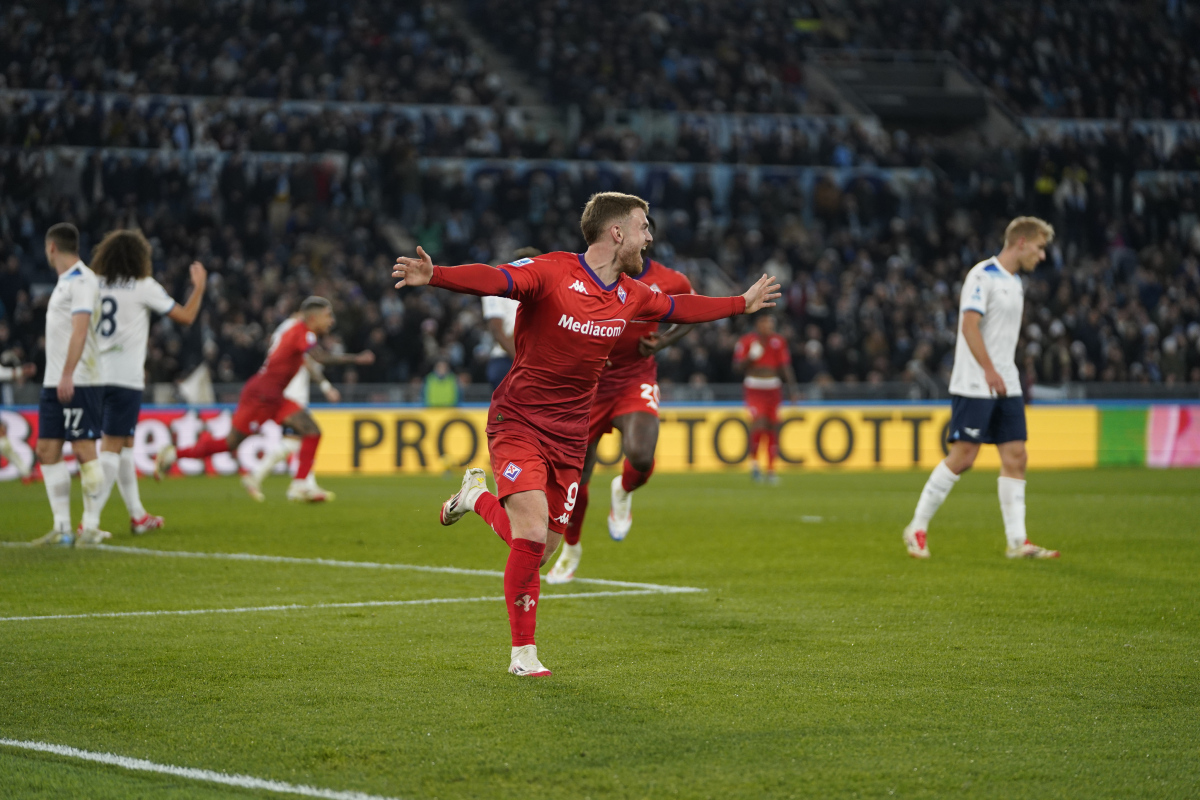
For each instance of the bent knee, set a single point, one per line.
(641, 459)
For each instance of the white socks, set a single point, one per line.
(58, 489)
(10, 455)
(111, 463)
(1012, 508)
(288, 447)
(127, 482)
(91, 479)
(937, 488)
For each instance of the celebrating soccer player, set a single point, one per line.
(986, 402)
(298, 391)
(764, 356)
(626, 399)
(262, 399)
(574, 308)
(128, 295)
(72, 390)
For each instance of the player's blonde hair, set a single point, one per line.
(1028, 227)
(605, 208)
(122, 255)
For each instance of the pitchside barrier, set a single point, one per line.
(380, 440)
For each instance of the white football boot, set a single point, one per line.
(164, 461)
(474, 483)
(563, 570)
(300, 492)
(61, 537)
(1030, 550)
(524, 663)
(620, 513)
(90, 536)
(914, 540)
(253, 487)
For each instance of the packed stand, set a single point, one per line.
(699, 56)
(363, 50)
(1073, 58)
(872, 276)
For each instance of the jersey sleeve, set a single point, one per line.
(739, 350)
(527, 279)
(974, 293)
(683, 308)
(155, 297)
(83, 295)
(785, 353)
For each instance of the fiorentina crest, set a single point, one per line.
(525, 602)
(512, 471)
(621, 295)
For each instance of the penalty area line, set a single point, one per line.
(188, 612)
(191, 773)
(330, 562)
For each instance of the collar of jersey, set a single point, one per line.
(596, 277)
(74, 270)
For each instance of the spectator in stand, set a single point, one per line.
(441, 386)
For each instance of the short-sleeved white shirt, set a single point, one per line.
(299, 388)
(77, 292)
(999, 296)
(502, 308)
(123, 328)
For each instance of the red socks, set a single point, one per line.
(308, 453)
(772, 448)
(755, 441)
(522, 586)
(488, 507)
(204, 447)
(632, 478)
(575, 526)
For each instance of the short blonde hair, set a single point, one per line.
(1027, 227)
(605, 208)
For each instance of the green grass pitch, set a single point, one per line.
(820, 661)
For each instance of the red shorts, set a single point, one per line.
(521, 462)
(764, 404)
(636, 396)
(252, 411)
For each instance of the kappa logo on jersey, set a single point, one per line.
(621, 295)
(563, 519)
(605, 329)
(972, 432)
(579, 287)
(525, 602)
(521, 263)
(512, 471)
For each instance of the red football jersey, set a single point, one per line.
(628, 364)
(567, 326)
(284, 360)
(775, 353)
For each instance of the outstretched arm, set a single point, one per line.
(697, 308)
(661, 340)
(477, 279)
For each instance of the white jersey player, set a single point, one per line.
(985, 389)
(18, 374)
(299, 391)
(69, 406)
(128, 296)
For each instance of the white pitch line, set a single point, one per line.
(328, 562)
(191, 773)
(297, 607)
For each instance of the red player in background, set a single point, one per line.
(764, 356)
(574, 307)
(262, 399)
(626, 399)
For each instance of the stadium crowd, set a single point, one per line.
(872, 271)
(366, 50)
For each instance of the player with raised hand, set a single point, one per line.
(627, 399)
(574, 308)
(128, 296)
(18, 374)
(69, 408)
(262, 399)
(764, 357)
(298, 391)
(985, 388)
